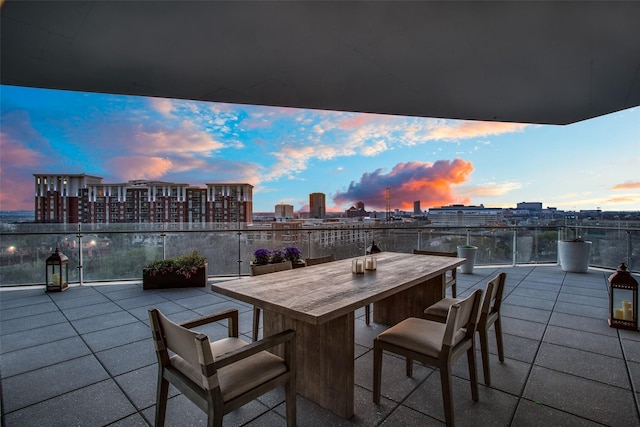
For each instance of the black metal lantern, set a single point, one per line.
(57, 273)
(623, 298)
(373, 249)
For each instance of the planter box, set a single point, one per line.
(257, 270)
(574, 256)
(173, 280)
(470, 254)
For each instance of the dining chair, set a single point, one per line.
(257, 270)
(489, 315)
(451, 275)
(434, 344)
(223, 375)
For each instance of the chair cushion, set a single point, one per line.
(441, 308)
(419, 335)
(239, 377)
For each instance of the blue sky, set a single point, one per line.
(287, 153)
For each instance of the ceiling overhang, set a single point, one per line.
(530, 62)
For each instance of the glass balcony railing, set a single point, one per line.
(119, 251)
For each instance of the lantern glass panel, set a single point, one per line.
(622, 303)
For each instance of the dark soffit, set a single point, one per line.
(530, 62)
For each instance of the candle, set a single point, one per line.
(56, 279)
(370, 263)
(618, 313)
(627, 310)
(357, 266)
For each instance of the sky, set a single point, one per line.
(288, 153)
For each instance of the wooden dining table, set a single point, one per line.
(319, 302)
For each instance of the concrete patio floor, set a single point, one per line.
(85, 357)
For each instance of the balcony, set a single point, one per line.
(115, 252)
(85, 357)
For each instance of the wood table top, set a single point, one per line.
(319, 293)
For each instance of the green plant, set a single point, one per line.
(262, 256)
(277, 256)
(292, 254)
(265, 256)
(184, 265)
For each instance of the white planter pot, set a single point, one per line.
(574, 256)
(470, 254)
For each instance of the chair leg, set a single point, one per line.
(447, 395)
(377, 371)
(498, 328)
(473, 374)
(256, 323)
(367, 314)
(454, 292)
(214, 420)
(484, 349)
(409, 367)
(290, 402)
(161, 400)
(215, 412)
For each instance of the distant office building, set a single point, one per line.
(530, 206)
(81, 198)
(356, 211)
(317, 205)
(416, 208)
(283, 212)
(461, 215)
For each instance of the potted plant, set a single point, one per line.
(266, 261)
(574, 254)
(294, 255)
(261, 257)
(468, 252)
(184, 271)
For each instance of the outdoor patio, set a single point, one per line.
(85, 357)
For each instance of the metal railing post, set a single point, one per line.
(80, 272)
(239, 255)
(514, 259)
(164, 243)
(629, 259)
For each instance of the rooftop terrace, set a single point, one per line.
(85, 357)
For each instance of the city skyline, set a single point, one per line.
(289, 153)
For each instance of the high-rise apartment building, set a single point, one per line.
(317, 205)
(81, 198)
(283, 211)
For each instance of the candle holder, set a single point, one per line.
(623, 300)
(370, 263)
(57, 272)
(357, 266)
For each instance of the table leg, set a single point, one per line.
(324, 359)
(410, 302)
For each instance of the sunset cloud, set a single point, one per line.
(431, 183)
(162, 105)
(627, 186)
(188, 138)
(470, 129)
(23, 151)
(489, 189)
(138, 167)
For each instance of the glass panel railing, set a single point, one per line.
(119, 251)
